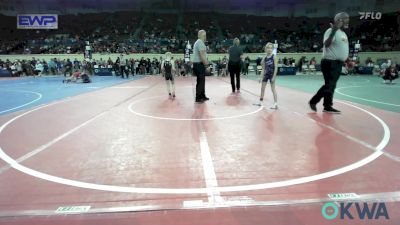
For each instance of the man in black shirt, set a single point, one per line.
(235, 54)
(68, 68)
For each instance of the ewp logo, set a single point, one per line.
(330, 211)
(37, 21)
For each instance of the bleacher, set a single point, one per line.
(115, 32)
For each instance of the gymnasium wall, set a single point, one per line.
(395, 56)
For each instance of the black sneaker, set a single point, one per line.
(313, 107)
(199, 100)
(205, 99)
(331, 110)
(169, 94)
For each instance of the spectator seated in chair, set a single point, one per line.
(385, 66)
(350, 66)
(391, 74)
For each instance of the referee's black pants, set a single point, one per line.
(331, 70)
(199, 71)
(234, 69)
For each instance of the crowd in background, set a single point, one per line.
(133, 32)
(123, 65)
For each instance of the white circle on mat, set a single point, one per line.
(186, 119)
(364, 99)
(128, 189)
(39, 96)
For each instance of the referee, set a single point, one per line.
(335, 52)
(199, 66)
(235, 54)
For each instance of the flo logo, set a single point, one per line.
(346, 211)
(370, 15)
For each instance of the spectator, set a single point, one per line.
(38, 68)
(68, 68)
(246, 65)
(369, 62)
(384, 66)
(391, 74)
